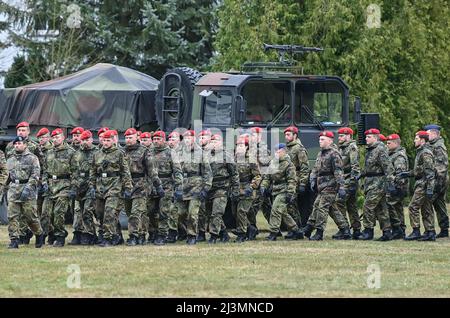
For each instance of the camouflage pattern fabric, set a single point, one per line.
(188, 214)
(399, 160)
(3, 173)
(107, 212)
(43, 214)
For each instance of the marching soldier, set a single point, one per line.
(58, 171)
(378, 174)
(424, 173)
(249, 182)
(225, 183)
(204, 214)
(3, 175)
(327, 179)
(169, 172)
(442, 177)
(24, 172)
(281, 175)
(399, 160)
(197, 181)
(108, 175)
(350, 166)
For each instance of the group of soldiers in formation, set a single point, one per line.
(178, 189)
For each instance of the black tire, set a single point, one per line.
(188, 77)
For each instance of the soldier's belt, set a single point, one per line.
(164, 175)
(374, 174)
(18, 181)
(137, 175)
(108, 175)
(220, 179)
(191, 174)
(60, 177)
(326, 173)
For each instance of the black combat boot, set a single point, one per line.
(415, 235)
(223, 236)
(443, 233)
(132, 241)
(272, 236)
(366, 235)
(307, 230)
(279, 234)
(213, 239)
(291, 235)
(160, 240)
(106, 243)
(342, 234)
(318, 236)
(76, 240)
(117, 239)
(172, 237)
(151, 237)
(39, 241)
(241, 238)
(252, 232)
(397, 233)
(298, 235)
(86, 239)
(428, 236)
(356, 234)
(25, 239)
(191, 240)
(14, 244)
(59, 241)
(387, 236)
(201, 237)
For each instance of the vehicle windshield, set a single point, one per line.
(217, 106)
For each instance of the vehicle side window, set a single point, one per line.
(217, 108)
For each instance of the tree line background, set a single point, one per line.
(399, 69)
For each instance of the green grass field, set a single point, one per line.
(253, 269)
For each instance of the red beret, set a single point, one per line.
(130, 131)
(422, 134)
(86, 135)
(189, 133)
(102, 130)
(393, 137)
(256, 130)
(145, 135)
(159, 133)
(292, 129)
(139, 132)
(216, 137)
(327, 133)
(108, 134)
(23, 124)
(205, 132)
(114, 132)
(345, 131)
(243, 140)
(57, 131)
(174, 133)
(372, 131)
(42, 131)
(77, 130)
(383, 137)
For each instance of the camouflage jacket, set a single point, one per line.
(441, 161)
(44, 151)
(378, 168)
(110, 173)
(299, 157)
(82, 160)
(24, 170)
(168, 166)
(142, 170)
(197, 174)
(3, 173)
(249, 174)
(32, 147)
(225, 174)
(281, 176)
(424, 168)
(260, 154)
(59, 170)
(327, 172)
(350, 162)
(399, 161)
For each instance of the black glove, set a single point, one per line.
(430, 194)
(392, 190)
(178, 195)
(290, 198)
(72, 194)
(262, 191)
(352, 189)
(26, 193)
(313, 187)
(43, 189)
(234, 197)
(91, 193)
(404, 174)
(301, 189)
(160, 191)
(342, 194)
(127, 194)
(248, 192)
(203, 195)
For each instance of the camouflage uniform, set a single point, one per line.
(399, 161)
(299, 156)
(442, 179)
(204, 213)
(169, 170)
(24, 171)
(3, 174)
(109, 173)
(378, 171)
(281, 175)
(350, 166)
(43, 214)
(424, 173)
(197, 177)
(82, 161)
(328, 175)
(225, 183)
(75, 204)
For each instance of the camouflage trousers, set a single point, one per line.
(280, 214)
(43, 218)
(324, 205)
(242, 214)
(260, 203)
(374, 208)
(204, 215)
(166, 220)
(87, 207)
(135, 208)
(350, 207)
(420, 204)
(395, 208)
(294, 211)
(57, 206)
(218, 206)
(23, 210)
(107, 212)
(77, 216)
(150, 219)
(440, 208)
(188, 211)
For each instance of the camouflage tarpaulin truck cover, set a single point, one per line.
(102, 95)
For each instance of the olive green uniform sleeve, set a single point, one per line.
(207, 174)
(35, 173)
(3, 170)
(386, 165)
(291, 178)
(177, 172)
(256, 180)
(303, 170)
(151, 170)
(441, 163)
(354, 164)
(400, 165)
(93, 172)
(125, 173)
(337, 169)
(429, 170)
